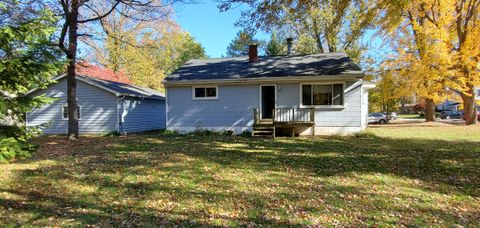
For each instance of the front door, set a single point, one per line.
(267, 100)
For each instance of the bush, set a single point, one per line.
(246, 133)
(111, 134)
(11, 148)
(228, 133)
(14, 144)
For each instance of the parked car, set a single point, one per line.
(478, 115)
(451, 115)
(379, 118)
(391, 116)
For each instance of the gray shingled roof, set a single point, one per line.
(125, 89)
(276, 66)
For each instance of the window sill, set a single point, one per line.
(205, 99)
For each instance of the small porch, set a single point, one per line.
(283, 118)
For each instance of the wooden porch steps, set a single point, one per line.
(265, 131)
(282, 118)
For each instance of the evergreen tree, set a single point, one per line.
(27, 61)
(275, 46)
(239, 45)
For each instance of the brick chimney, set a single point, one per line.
(252, 53)
(289, 46)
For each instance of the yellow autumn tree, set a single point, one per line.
(422, 57)
(465, 51)
(146, 50)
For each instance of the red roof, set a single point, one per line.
(90, 70)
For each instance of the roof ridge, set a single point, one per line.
(273, 56)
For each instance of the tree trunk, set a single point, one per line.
(402, 107)
(317, 37)
(430, 110)
(71, 81)
(469, 107)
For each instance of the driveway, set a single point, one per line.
(420, 122)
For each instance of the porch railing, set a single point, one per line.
(288, 115)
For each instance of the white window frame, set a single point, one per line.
(79, 110)
(321, 106)
(205, 87)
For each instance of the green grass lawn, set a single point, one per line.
(388, 177)
(410, 116)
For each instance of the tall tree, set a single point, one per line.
(75, 14)
(239, 45)
(331, 25)
(465, 48)
(387, 93)
(422, 51)
(27, 61)
(275, 46)
(146, 51)
(444, 52)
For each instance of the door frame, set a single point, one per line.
(260, 98)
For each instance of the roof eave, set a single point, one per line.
(143, 97)
(349, 75)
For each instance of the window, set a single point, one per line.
(205, 93)
(322, 94)
(65, 112)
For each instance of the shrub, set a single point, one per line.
(228, 133)
(11, 148)
(246, 133)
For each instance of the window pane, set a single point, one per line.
(338, 94)
(78, 112)
(65, 112)
(211, 92)
(322, 94)
(199, 92)
(306, 94)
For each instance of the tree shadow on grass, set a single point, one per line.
(217, 180)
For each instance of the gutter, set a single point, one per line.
(353, 76)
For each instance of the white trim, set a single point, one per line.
(368, 85)
(78, 77)
(204, 87)
(322, 106)
(260, 97)
(343, 77)
(79, 112)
